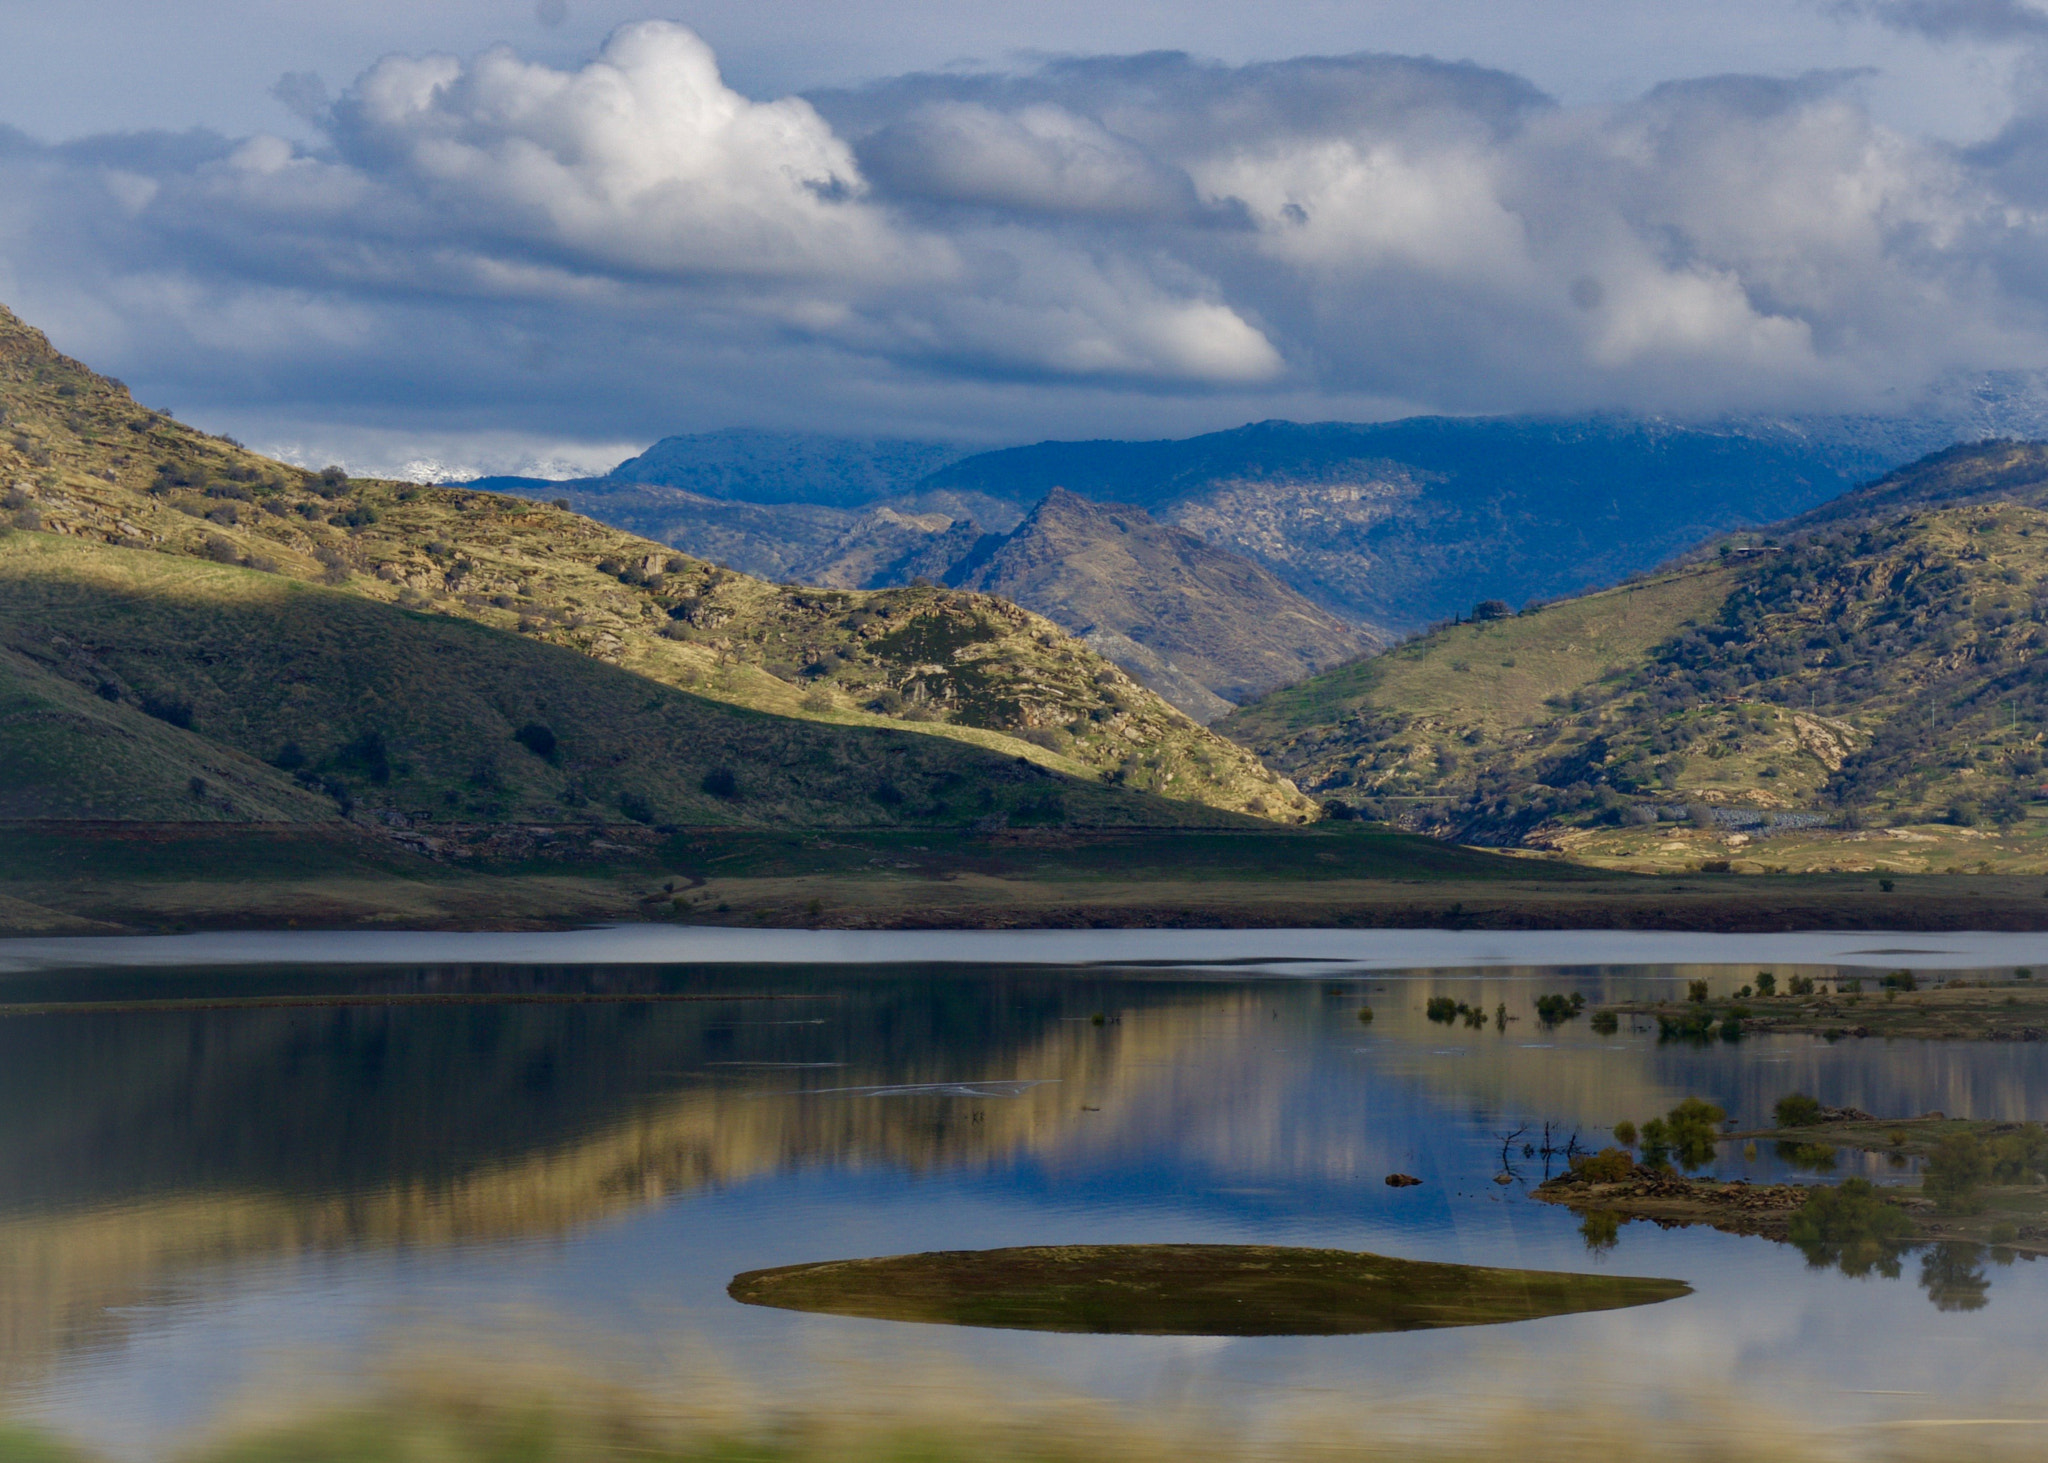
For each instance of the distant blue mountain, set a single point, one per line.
(1403, 523)
(1393, 524)
(744, 466)
(1571, 464)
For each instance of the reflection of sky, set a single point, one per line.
(1271, 1115)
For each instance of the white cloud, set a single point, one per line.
(1043, 159)
(642, 159)
(629, 246)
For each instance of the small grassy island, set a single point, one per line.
(1982, 1182)
(1188, 1290)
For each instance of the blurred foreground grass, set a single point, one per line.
(519, 1416)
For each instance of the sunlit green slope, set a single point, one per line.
(1881, 660)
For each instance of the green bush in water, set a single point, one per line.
(1697, 1024)
(1605, 1023)
(1689, 1131)
(1852, 1227)
(1625, 1133)
(1808, 1157)
(1956, 1170)
(1796, 1110)
(1695, 1127)
(1552, 1009)
(1656, 1144)
(1441, 1008)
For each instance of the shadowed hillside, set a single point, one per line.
(83, 462)
(177, 666)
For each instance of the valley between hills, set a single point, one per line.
(238, 692)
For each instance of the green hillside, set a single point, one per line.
(65, 752)
(79, 459)
(1885, 668)
(151, 686)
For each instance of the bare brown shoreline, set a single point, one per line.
(111, 879)
(548, 902)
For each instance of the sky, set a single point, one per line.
(535, 235)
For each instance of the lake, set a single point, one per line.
(231, 1165)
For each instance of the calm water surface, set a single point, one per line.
(195, 1202)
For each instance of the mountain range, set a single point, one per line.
(1348, 535)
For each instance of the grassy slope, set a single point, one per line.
(79, 457)
(416, 714)
(1889, 665)
(67, 753)
(1421, 722)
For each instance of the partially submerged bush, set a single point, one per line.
(1555, 1008)
(1852, 1226)
(1697, 1024)
(1695, 1126)
(1796, 1110)
(1689, 1131)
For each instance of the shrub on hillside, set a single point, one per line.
(720, 783)
(538, 740)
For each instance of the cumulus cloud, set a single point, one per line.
(1038, 159)
(630, 247)
(644, 159)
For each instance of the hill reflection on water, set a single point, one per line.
(188, 1153)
